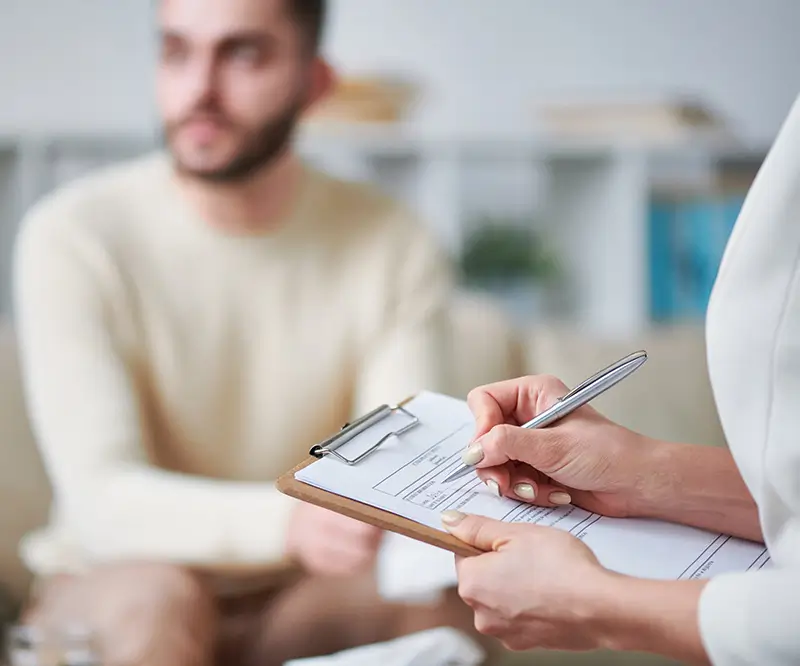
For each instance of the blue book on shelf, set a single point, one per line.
(686, 241)
(661, 304)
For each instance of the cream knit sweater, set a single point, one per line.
(173, 372)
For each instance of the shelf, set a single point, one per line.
(407, 141)
(402, 140)
(594, 196)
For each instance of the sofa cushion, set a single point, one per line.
(24, 489)
(669, 397)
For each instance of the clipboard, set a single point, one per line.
(385, 520)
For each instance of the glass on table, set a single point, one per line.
(32, 646)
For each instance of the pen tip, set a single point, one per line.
(461, 471)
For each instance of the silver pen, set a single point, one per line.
(587, 390)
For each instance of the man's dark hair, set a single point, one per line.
(310, 18)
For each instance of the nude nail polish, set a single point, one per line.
(525, 491)
(452, 518)
(559, 497)
(473, 455)
(492, 485)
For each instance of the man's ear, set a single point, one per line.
(322, 84)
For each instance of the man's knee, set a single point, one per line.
(140, 614)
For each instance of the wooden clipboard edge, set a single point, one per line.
(385, 520)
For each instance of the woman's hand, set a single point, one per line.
(542, 587)
(584, 459)
(536, 587)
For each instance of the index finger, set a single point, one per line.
(513, 401)
(488, 408)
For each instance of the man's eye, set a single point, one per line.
(246, 53)
(172, 53)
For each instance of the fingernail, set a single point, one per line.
(453, 518)
(525, 490)
(560, 498)
(473, 455)
(492, 485)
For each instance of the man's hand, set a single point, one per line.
(330, 544)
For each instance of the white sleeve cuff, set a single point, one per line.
(751, 618)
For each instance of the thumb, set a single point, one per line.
(484, 533)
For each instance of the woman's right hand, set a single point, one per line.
(584, 459)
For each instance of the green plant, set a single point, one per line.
(504, 252)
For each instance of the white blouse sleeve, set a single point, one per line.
(752, 618)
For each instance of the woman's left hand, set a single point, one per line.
(535, 587)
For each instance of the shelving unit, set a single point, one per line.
(592, 198)
(11, 167)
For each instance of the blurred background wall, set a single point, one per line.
(635, 219)
(71, 65)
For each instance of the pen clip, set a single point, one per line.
(630, 358)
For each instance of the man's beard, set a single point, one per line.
(260, 147)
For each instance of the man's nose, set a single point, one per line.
(203, 80)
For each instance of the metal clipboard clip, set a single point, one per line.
(350, 430)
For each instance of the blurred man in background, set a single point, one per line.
(189, 325)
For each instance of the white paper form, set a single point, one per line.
(405, 476)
